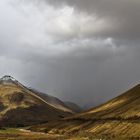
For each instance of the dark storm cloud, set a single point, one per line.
(86, 51)
(123, 14)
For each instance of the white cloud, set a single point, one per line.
(53, 30)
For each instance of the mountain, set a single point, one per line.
(125, 106)
(20, 106)
(118, 118)
(73, 106)
(55, 102)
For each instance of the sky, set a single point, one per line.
(84, 51)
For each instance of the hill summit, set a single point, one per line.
(7, 79)
(20, 106)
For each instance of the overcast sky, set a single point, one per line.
(85, 51)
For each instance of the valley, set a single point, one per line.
(29, 114)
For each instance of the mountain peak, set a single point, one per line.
(20, 105)
(7, 77)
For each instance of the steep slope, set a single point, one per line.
(73, 107)
(125, 106)
(20, 106)
(55, 102)
(118, 118)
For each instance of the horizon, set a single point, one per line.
(84, 107)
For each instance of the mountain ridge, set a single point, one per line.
(54, 101)
(20, 106)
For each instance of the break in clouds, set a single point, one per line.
(82, 51)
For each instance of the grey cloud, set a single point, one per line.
(83, 51)
(117, 19)
(123, 14)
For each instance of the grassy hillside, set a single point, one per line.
(125, 106)
(21, 134)
(117, 119)
(53, 101)
(20, 107)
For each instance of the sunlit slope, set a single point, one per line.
(108, 129)
(124, 106)
(118, 118)
(21, 107)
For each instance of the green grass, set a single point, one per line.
(16, 134)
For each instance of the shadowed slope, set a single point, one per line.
(74, 107)
(53, 101)
(20, 107)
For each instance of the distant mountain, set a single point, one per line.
(20, 106)
(57, 103)
(73, 106)
(117, 119)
